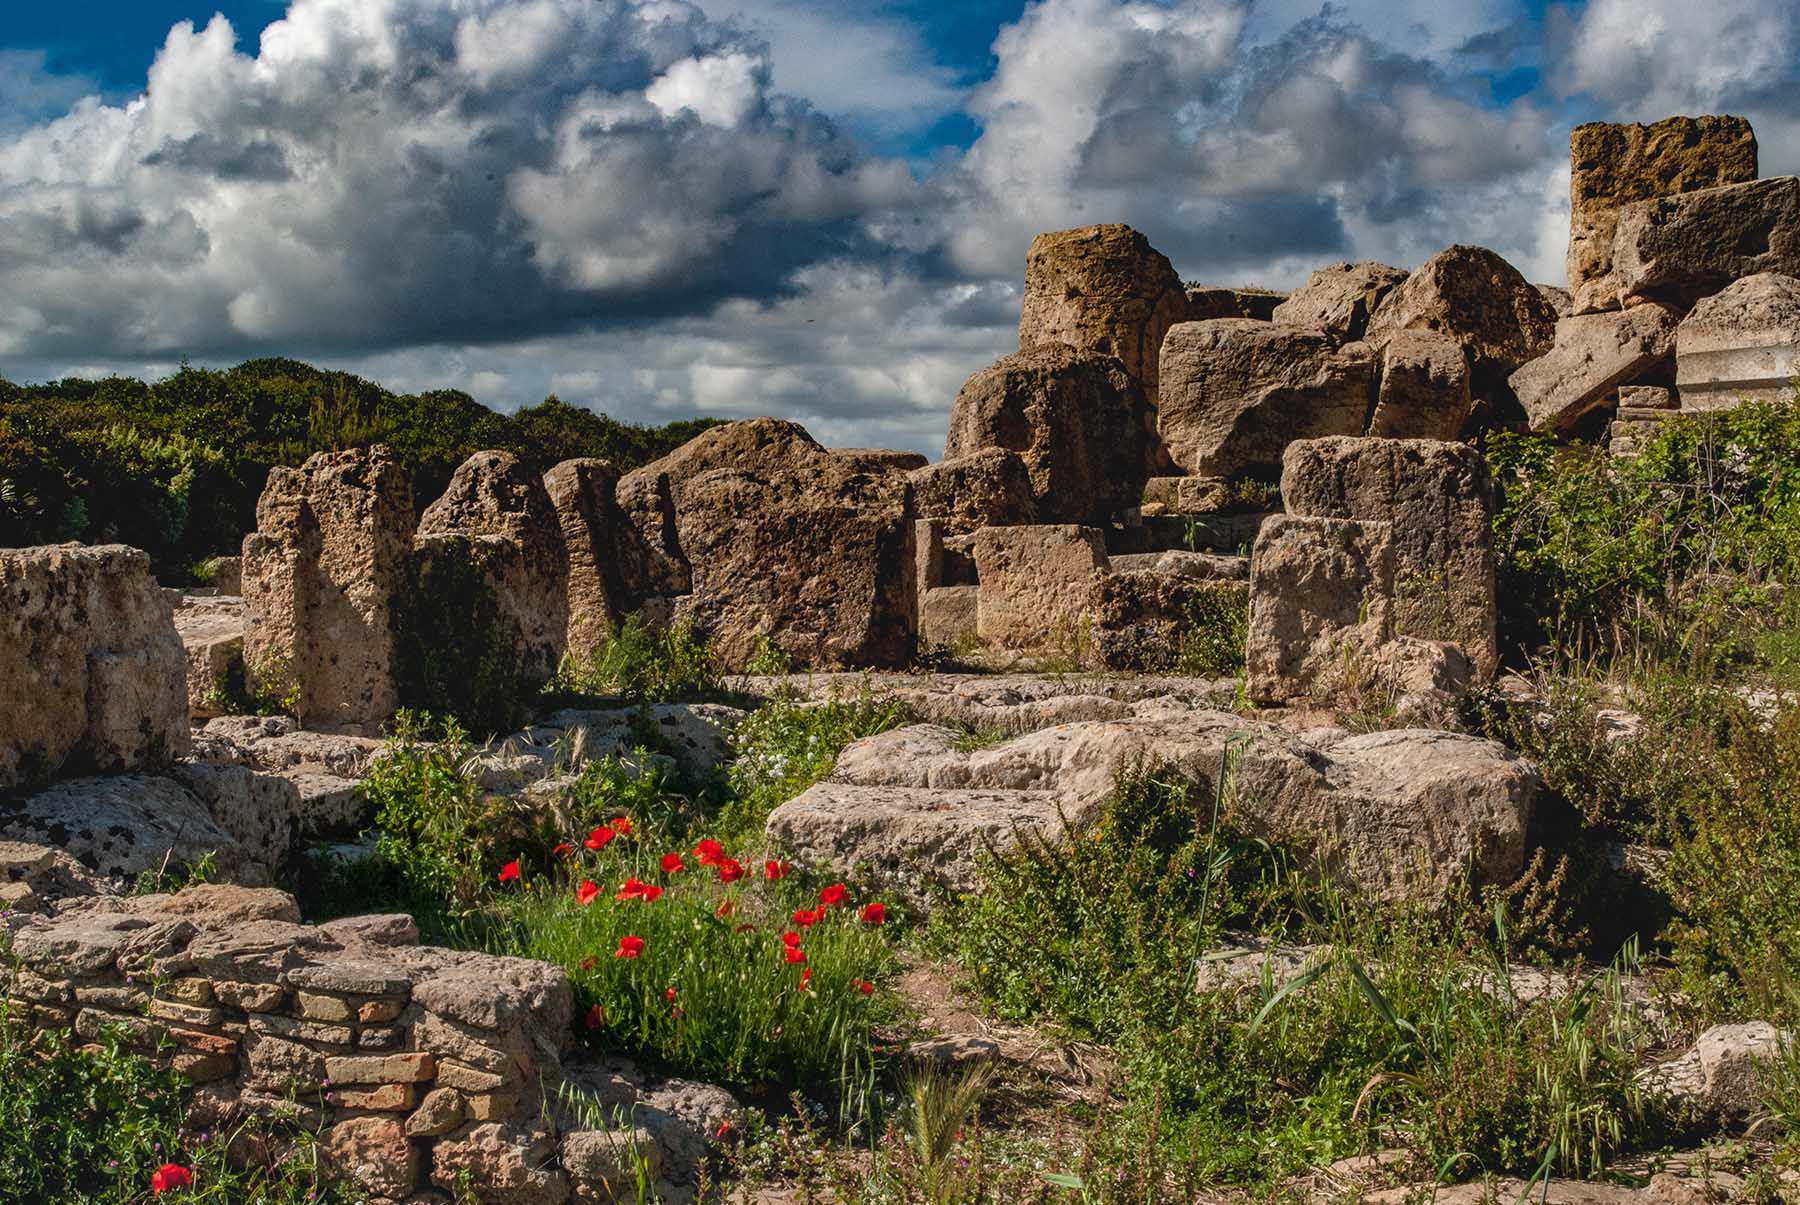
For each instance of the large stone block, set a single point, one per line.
(1481, 301)
(1077, 419)
(1236, 392)
(1738, 344)
(1034, 583)
(1615, 165)
(1101, 289)
(1321, 597)
(1340, 298)
(92, 673)
(1679, 249)
(990, 487)
(501, 509)
(1594, 354)
(1424, 390)
(785, 540)
(320, 575)
(1438, 500)
(1209, 301)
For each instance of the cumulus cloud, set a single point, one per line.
(659, 207)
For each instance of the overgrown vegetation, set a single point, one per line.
(642, 664)
(96, 1123)
(175, 466)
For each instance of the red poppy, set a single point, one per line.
(510, 871)
(873, 914)
(863, 986)
(708, 852)
(587, 892)
(669, 995)
(805, 978)
(170, 1175)
(672, 863)
(834, 895)
(790, 938)
(622, 825)
(726, 908)
(807, 919)
(563, 849)
(589, 963)
(629, 947)
(634, 888)
(794, 954)
(773, 870)
(596, 1016)
(746, 927)
(651, 893)
(724, 1128)
(730, 870)
(599, 837)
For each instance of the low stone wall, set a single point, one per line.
(415, 1065)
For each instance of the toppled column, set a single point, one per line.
(92, 674)
(1612, 166)
(321, 573)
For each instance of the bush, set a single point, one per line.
(1690, 542)
(640, 664)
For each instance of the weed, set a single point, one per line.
(640, 664)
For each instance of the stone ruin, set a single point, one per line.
(1153, 451)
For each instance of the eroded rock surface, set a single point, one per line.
(92, 673)
(1340, 298)
(1393, 812)
(1101, 289)
(1077, 419)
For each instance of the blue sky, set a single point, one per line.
(811, 208)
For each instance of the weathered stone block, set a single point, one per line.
(1101, 289)
(1077, 419)
(1236, 392)
(1034, 582)
(1339, 299)
(949, 616)
(989, 487)
(1438, 499)
(440, 1112)
(1593, 355)
(1738, 344)
(1424, 390)
(382, 1069)
(1679, 249)
(1146, 620)
(1616, 165)
(375, 1153)
(321, 574)
(1321, 595)
(92, 672)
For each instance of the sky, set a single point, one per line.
(817, 209)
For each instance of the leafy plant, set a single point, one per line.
(641, 664)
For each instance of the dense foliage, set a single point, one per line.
(175, 466)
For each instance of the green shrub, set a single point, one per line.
(786, 746)
(1687, 545)
(1386, 1030)
(641, 664)
(1212, 641)
(427, 808)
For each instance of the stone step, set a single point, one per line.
(1231, 535)
(1193, 566)
(1644, 414)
